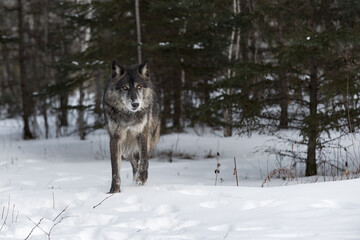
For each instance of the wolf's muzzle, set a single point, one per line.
(135, 105)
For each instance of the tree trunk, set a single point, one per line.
(283, 87)
(81, 120)
(177, 105)
(182, 96)
(311, 168)
(312, 130)
(26, 99)
(62, 113)
(284, 99)
(182, 88)
(43, 103)
(98, 96)
(166, 101)
(64, 99)
(228, 110)
(138, 31)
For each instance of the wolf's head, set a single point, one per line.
(131, 85)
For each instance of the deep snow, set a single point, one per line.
(40, 178)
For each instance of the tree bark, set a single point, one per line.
(138, 31)
(26, 99)
(64, 99)
(98, 95)
(182, 97)
(311, 168)
(284, 99)
(177, 105)
(166, 108)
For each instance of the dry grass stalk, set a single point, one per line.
(236, 173)
(346, 174)
(6, 216)
(217, 170)
(284, 173)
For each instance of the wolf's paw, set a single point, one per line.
(141, 179)
(139, 182)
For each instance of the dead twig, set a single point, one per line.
(103, 201)
(37, 225)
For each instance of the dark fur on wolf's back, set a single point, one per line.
(132, 119)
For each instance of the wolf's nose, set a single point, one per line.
(135, 105)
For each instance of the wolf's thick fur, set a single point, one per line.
(132, 117)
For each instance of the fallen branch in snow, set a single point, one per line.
(37, 225)
(103, 201)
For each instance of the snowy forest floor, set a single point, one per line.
(61, 183)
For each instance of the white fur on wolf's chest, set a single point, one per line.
(128, 136)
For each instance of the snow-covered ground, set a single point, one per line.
(62, 183)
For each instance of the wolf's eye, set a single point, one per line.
(138, 86)
(124, 87)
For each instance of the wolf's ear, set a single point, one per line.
(117, 69)
(144, 69)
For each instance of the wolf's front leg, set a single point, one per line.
(115, 152)
(135, 164)
(144, 163)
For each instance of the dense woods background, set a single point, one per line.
(236, 65)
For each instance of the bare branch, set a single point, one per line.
(37, 225)
(61, 213)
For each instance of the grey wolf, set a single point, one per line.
(132, 117)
